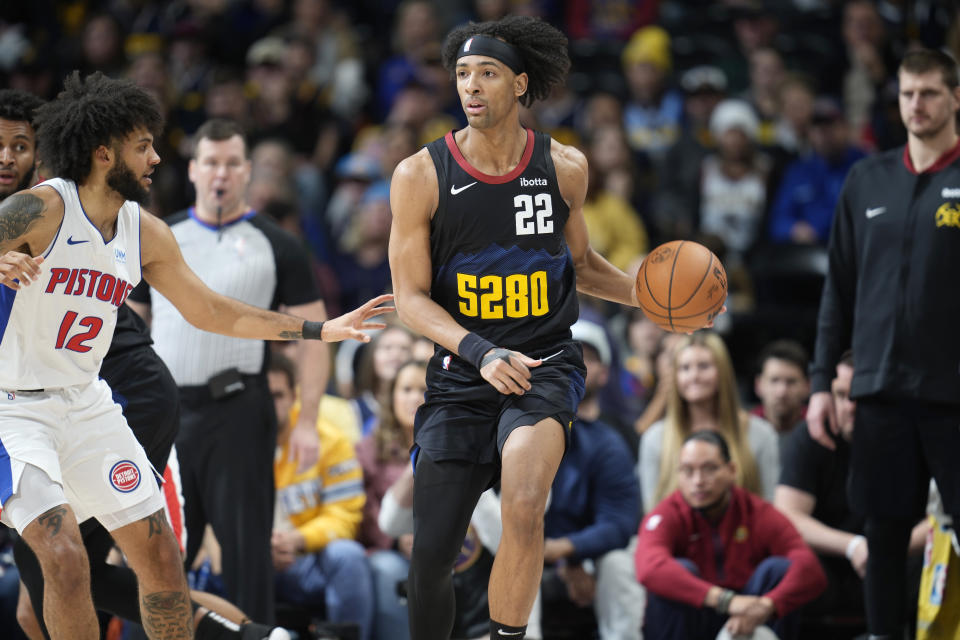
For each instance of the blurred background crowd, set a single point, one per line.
(731, 122)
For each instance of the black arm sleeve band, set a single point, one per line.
(312, 330)
(473, 347)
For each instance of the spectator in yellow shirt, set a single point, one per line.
(316, 559)
(616, 229)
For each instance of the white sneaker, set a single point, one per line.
(256, 631)
(762, 632)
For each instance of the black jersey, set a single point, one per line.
(501, 266)
(131, 332)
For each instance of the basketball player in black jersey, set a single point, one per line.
(488, 250)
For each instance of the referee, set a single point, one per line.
(228, 424)
(891, 293)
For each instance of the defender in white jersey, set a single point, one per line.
(64, 446)
(55, 335)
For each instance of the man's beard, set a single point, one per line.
(121, 179)
(25, 183)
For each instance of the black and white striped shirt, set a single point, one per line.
(250, 259)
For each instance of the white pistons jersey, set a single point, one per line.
(55, 332)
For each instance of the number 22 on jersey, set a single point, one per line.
(528, 206)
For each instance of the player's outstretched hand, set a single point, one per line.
(353, 324)
(509, 373)
(822, 415)
(18, 269)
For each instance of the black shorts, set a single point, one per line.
(145, 390)
(897, 446)
(465, 418)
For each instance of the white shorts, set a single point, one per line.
(79, 438)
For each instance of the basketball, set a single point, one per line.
(681, 286)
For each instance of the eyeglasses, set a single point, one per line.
(709, 469)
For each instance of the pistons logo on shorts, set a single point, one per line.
(125, 476)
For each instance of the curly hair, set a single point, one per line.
(542, 47)
(18, 106)
(97, 110)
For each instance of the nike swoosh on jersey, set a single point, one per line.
(70, 240)
(553, 355)
(875, 211)
(454, 190)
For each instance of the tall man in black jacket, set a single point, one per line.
(891, 292)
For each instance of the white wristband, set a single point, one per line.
(852, 546)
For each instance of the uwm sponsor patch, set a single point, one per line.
(125, 476)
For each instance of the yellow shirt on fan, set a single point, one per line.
(325, 502)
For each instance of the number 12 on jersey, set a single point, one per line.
(93, 325)
(494, 297)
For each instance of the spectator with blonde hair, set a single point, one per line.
(704, 397)
(383, 456)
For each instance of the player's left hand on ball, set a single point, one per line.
(510, 374)
(18, 270)
(352, 325)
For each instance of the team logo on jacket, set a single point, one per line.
(741, 534)
(125, 476)
(948, 215)
(939, 584)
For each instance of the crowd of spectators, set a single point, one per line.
(729, 122)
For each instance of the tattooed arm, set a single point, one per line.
(28, 223)
(166, 271)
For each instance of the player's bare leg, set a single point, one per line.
(530, 458)
(26, 616)
(209, 602)
(206, 603)
(153, 554)
(68, 606)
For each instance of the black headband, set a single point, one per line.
(480, 45)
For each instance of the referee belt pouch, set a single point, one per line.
(225, 384)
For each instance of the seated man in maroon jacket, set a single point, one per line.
(714, 555)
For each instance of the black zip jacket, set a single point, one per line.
(892, 291)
